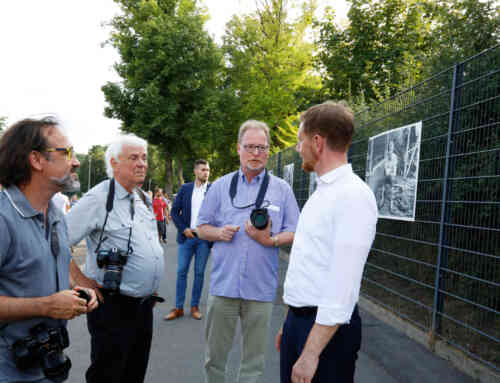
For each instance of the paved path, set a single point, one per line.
(387, 356)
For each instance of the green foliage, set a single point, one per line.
(378, 53)
(94, 158)
(170, 70)
(390, 45)
(462, 28)
(270, 65)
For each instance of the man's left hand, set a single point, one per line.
(93, 303)
(261, 236)
(304, 369)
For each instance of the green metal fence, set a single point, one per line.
(442, 271)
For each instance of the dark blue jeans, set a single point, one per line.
(338, 359)
(199, 248)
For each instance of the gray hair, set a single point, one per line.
(254, 124)
(116, 147)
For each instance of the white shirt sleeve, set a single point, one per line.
(353, 233)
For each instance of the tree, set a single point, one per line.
(270, 65)
(169, 66)
(390, 45)
(94, 159)
(455, 22)
(378, 53)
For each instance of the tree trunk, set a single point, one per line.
(169, 175)
(180, 175)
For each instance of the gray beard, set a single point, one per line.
(67, 184)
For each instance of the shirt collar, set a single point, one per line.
(23, 206)
(258, 178)
(202, 187)
(121, 192)
(335, 174)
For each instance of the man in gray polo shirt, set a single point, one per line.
(122, 327)
(36, 161)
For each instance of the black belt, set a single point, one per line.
(304, 311)
(132, 300)
(125, 298)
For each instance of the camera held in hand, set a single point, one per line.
(259, 218)
(43, 347)
(112, 261)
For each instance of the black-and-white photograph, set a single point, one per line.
(392, 171)
(313, 182)
(288, 173)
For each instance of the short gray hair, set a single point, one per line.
(254, 124)
(116, 147)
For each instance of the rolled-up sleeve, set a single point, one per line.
(291, 211)
(210, 205)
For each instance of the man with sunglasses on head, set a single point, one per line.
(36, 162)
(244, 273)
(124, 264)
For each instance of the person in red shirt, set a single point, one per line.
(160, 210)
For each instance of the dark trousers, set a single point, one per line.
(162, 229)
(338, 359)
(121, 330)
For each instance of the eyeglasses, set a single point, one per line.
(260, 148)
(68, 151)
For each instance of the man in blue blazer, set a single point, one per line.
(185, 214)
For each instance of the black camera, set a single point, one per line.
(44, 347)
(112, 261)
(259, 218)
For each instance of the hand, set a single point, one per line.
(227, 232)
(66, 304)
(304, 369)
(189, 233)
(261, 236)
(93, 303)
(85, 282)
(277, 340)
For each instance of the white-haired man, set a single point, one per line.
(124, 264)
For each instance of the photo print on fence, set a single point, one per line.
(392, 171)
(313, 182)
(288, 174)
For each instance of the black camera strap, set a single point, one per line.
(109, 206)
(260, 197)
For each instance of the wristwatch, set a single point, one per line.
(275, 240)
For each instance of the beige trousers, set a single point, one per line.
(222, 317)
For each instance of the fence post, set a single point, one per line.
(449, 172)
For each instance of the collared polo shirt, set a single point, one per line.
(144, 269)
(243, 268)
(29, 252)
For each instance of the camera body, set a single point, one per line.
(44, 347)
(112, 261)
(259, 218)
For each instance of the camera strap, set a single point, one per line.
(109, 206)
(260, 197)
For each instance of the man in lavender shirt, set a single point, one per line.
(244, 259)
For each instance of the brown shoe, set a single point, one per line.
(195, 313)
(174, 314)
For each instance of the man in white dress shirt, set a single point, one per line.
(321, 336)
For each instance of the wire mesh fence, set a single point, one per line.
(441, 271)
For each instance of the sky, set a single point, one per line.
(52, 61)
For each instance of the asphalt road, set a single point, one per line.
(387, 356)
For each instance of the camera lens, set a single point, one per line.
(259, 218)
